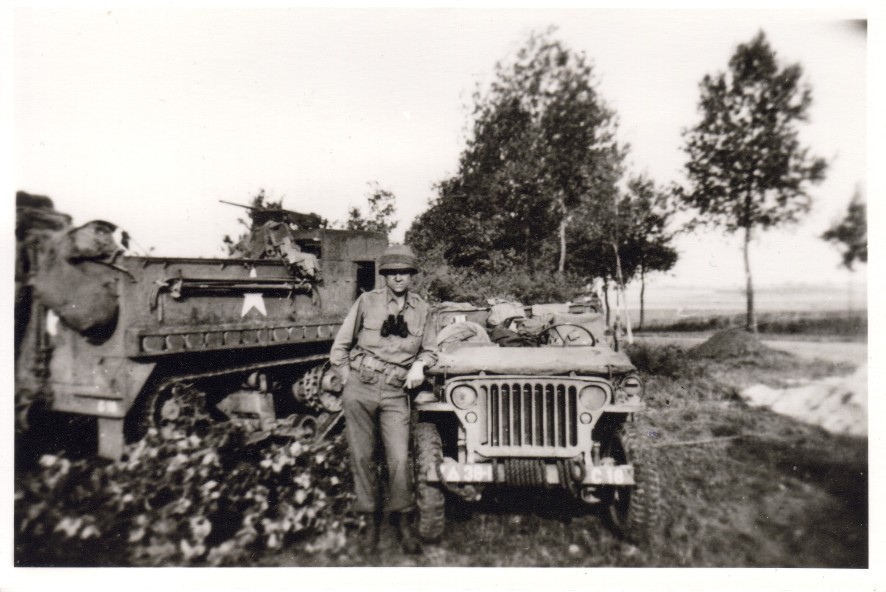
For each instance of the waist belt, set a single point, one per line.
(366, 364)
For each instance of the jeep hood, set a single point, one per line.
(531, 360)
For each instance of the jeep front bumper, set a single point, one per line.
(454, 472)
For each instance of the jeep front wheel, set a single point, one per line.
(429, 498)
(633, 511)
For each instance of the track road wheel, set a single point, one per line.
(633, 511)
(429, 499)
(175, 410)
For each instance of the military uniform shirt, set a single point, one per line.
(361, 331)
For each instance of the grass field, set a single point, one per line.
(779, 493)
(825, 323)
(743, 487)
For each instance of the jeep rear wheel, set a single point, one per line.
(633, 511)
(429, 498)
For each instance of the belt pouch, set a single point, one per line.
(396, 377)
(367, 374)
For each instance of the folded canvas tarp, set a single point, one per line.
(544, 361)
(73, 277)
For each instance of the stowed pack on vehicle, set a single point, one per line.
(556, 415)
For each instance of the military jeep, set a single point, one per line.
(559, 415)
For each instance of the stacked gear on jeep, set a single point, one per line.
(509, 326)
(132, 341)
(559, 415)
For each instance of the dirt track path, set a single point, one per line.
(836, 351)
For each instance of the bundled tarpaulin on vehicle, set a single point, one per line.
(463, 332)
(447, 313)
(474, 358)
(75, 278)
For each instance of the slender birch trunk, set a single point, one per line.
(751, 323)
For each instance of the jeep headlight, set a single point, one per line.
(632, 386)
(592, 397)
(463, 396)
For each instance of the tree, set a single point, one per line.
(626, 239)
(850, 234)
(649, 239)
(600, 237)
(746, 167)
(457, 226)
(381, 207)
(542, 148)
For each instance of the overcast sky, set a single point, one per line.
(147, 118)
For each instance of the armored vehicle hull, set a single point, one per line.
(249, 336)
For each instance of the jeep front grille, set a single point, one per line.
(531, 413)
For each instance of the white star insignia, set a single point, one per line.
(253, 300)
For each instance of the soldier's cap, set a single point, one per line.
(397, 258)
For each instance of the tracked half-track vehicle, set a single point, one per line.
(558, 415)
(138, 341)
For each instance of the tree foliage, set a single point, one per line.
(649, 237)
(542, 149)
(381, 205)
(442, 282)
(597, 234)
(648, 213)
(850, 234)
(746, 166)
(632, 236)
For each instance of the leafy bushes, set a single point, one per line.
(204, 495)
(507, 279)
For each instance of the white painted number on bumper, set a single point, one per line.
(459, 473)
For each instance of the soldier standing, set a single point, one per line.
(384, 345)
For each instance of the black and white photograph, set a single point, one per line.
(457, 287)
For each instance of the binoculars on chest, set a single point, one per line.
(394, 325)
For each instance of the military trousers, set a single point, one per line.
(377, 411)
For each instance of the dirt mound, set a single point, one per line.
(838, 404)
(732, 343)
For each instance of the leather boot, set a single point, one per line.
(403, 522)
(371, 533)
